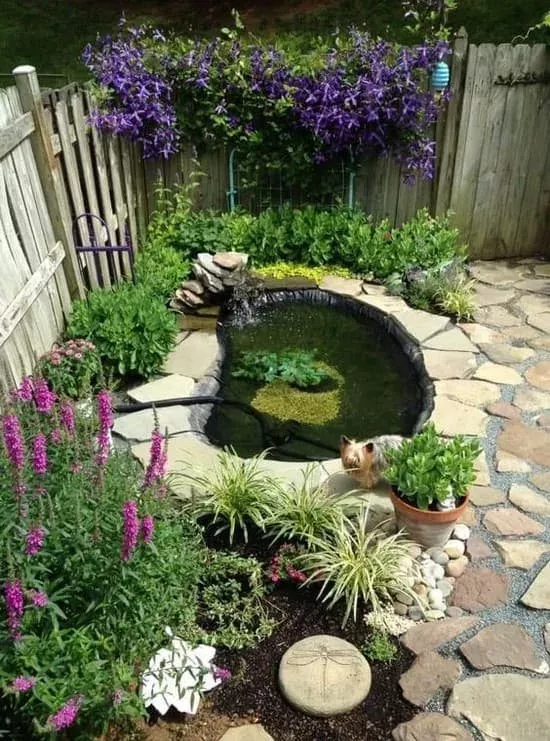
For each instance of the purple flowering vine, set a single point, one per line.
(67, 714)
(15, 607)
(13, 440)
(39, 455)
(35, 540)
(130, 530)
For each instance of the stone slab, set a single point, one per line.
(539, 375)
(538, 594)
(431, 727)
(387, 304)
(342, 286)
(501, 374)
(504, 410)
(530, 443)
(139, 426)
(478, 550)
(480, 588)
(486, 496)
(528, 500)
(420, 324)
(466, 391)
(533, 304)
(249, 732)
(451, 339)
(485, 295)
(478, 333)
(426, 637)
(521, 554)
(497, 316)
(322, 687)
(230, 260)
(508, 521)
(541, 480)
(503, 644)
(508, 463)
(168, 387)
(442, 364)
(505, 354)
(195, 356)
(450, 418)
(429, 673)
(504, 707)
(497, 272)
(534, 285)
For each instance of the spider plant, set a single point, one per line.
(358, 564)
(305, 511)
(233, 492)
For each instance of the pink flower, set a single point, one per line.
(106, 421)
(66, 413)
(22, 684)
(55, 359)
(69, 352)
(25, 389)
(223, 674)
(39, 456)
(43, 397)
(147, 527)
(67, 714)
(130, 530)
(38, 599)
(78, 356)
(13, 440)
(156, 461)
(56, 436)
(15, 606)
(35, 541)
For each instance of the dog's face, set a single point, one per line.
(356, 455)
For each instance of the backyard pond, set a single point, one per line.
(370, 387)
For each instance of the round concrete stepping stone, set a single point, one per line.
(503, 644)
(250, 732)
(431, 727)
(323, 675)
(478, 589)
(539, 375)
(429, 673)
(521, 554)
(507, 707)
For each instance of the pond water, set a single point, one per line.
(373, 388)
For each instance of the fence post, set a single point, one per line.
(444, 177)
(26, 81)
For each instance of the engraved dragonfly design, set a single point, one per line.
(343, 657)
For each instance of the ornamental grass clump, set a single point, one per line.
(358, 565)
(234, 493)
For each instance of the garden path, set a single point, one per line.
(492, 379)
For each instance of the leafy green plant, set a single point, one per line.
(427, 468)
(232, 602)
(304, 511)
(133, 331)
(446, 290)
(234, 492)
(380, 647)
(297, 270)
(357, 564)
(160, 269)
(455, 298)
(72, 368)
(295, 367)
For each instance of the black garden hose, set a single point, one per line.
(272, 437)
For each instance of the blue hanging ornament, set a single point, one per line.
(441, 76)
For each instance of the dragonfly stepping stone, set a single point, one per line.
(323, 675)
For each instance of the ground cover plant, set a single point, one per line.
(295, 367)
(95, 563)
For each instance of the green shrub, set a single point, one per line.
(160, 269)
(446, 290)
(295, 367)
(72, 368)
(357, 564)
(132, 330)
(234, 493)
(380, 647)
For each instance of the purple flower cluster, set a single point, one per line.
(66, 413)
(38, 599)
(223, 674)
(39, 455)
(35, 540)
(130, 530)
(140, 104)
(147, 528)
(25, 390)
(106, 420)
(13, 440)
(66, 715)
(156, 469)
(15, 607)
(44, 398)
(22, 684)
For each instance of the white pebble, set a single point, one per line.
(462, 532)
(438, 571)
(435, 595)
(455, 548)
(429, 581)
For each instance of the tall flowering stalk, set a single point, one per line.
(147, 528)
(130, 530)
(44, 398)
(15, 607)
(66, 414)
(106, 420)
(13, 440)
(35, 540)
(67, 714)
(156, 468)
(25, 390)
(39, 455)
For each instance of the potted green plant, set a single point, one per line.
(430, 479)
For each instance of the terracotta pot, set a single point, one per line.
(425, 527)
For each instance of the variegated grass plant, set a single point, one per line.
(359, 564)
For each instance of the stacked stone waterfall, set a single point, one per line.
(215, 276)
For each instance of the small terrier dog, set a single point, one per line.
(366, 461)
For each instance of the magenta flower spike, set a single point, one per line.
(13, 440)
(147, 528)
(22, 684)
(39, 456)
(35, 541)
(67, 714)
(44, 399)
(15, 607)
(130, 530)
(66, 413)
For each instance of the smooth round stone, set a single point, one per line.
(461, 532)
(456, 567)
(445, 587)
(429, 581)
(404, 598)
(435, 614)
(405, 564)
(415, 551)
(415, 613)
(453, 611)
(435, 596)
(455, 548)
(438, 571)
(421, 590)
(400, 609)
(323, 675)
(440, 558)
